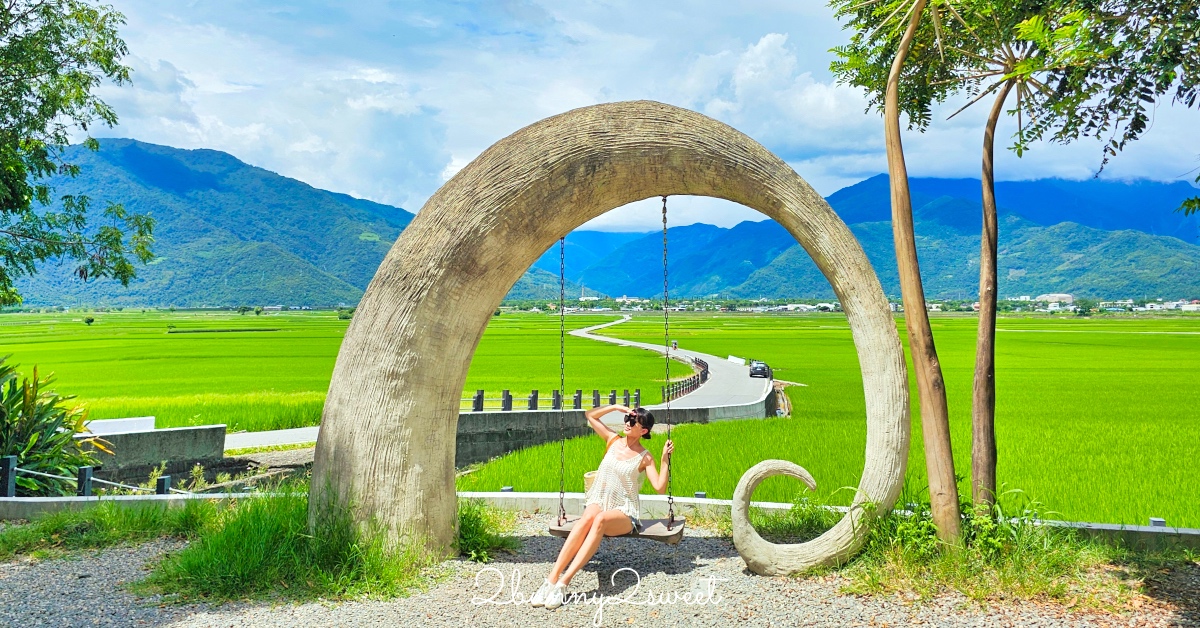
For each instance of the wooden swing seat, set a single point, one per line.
(661, 530)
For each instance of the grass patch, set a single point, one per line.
(805, 520)
(105, 525)
(1002, 558)
(263, 549)
(259, 548)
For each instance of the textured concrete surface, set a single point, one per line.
(135, 453)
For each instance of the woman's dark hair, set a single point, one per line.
(645, 419)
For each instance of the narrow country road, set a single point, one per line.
(728, 384)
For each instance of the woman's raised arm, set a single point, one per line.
(595, 414)
(658, 479)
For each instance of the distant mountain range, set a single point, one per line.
(1090, 238)
(231, 234)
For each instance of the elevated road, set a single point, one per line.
(729, 384)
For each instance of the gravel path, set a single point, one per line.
(84, 591)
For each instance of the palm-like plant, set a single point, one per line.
(38, 426)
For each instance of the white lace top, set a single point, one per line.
(618, 481)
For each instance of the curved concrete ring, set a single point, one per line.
(762, 556)
(387, 442)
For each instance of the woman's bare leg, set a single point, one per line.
(574, 540)
(607, 523)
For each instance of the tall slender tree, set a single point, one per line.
(985, 64)
(886, 36)
(1077, 68)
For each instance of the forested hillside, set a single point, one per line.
(233, 234)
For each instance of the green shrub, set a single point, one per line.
(38, 426)
(481, 528)
(1003, 553)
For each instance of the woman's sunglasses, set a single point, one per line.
(631, 420)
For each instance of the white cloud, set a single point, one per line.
(387, 101)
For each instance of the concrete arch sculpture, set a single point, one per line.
(387, 441)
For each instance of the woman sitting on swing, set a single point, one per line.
(612, 506)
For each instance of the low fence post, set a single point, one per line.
(477, 402)
(578, 399)
(595, 398)
(637, 397)
(664, 394)
(83, 482)
(506, 400)
(556, 400)
(162, 486)
(626, 396)
(533, 399)
(8, 476)
(612, 397)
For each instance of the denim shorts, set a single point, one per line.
(637, 525)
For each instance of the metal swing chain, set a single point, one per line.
(667, 355)
(562, 379)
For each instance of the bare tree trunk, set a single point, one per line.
(935, 417)
(983, 397)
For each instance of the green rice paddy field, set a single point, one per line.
(1098, 419)
(272, 372)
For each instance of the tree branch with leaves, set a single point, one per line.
(54, 54)
(1109, 64)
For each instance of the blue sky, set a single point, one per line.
(386, 100)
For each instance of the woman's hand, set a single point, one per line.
(668, 449)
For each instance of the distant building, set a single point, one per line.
(933, 307)
(589, 298)
(1055, 298)
(273, 308)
